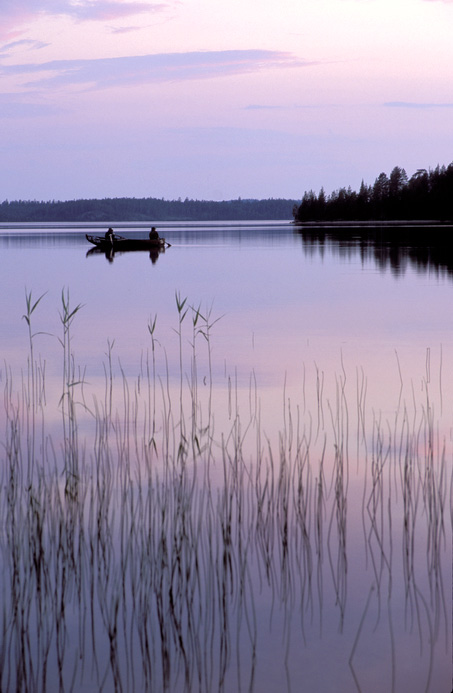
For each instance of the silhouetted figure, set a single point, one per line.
(153, 235)
(109, 236)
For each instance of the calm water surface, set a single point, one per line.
(252, 493)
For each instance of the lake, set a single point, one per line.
(227, 466)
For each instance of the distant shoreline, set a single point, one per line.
(129, 210)
(25, 226)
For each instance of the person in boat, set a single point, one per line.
(153, 235)
(109, 236)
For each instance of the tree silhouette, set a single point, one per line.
(427, 195)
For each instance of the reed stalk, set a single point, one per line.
(145, 548)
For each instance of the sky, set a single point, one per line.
(220, 99)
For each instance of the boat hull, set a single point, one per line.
(120, 244)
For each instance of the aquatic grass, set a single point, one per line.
(67, 401)
(33, 392)
(151, 547)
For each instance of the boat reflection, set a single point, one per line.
(110, 253)
(112, 244)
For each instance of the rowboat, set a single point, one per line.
(120, 244)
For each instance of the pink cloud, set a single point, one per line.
(106, 10)
(146, 69)
(15, 106)
(125, 29)
(17, 14)
(415, 104)
(9, 27)
(27, 44)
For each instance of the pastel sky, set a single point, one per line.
(216, 99)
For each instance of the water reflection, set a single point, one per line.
(180, 233)
(110, 254)
(162, 539)
(267, 512)
(40, 239)
(423, 248)
(427, 249)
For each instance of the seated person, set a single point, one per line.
(153, 235)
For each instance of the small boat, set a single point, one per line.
(119, 243)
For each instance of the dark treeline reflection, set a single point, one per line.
(427, 249)
(43, 239)
(154, 553)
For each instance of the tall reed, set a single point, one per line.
(158, 543)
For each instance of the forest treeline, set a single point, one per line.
(145, 209)
(428, 194)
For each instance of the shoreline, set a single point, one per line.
(376, 224)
